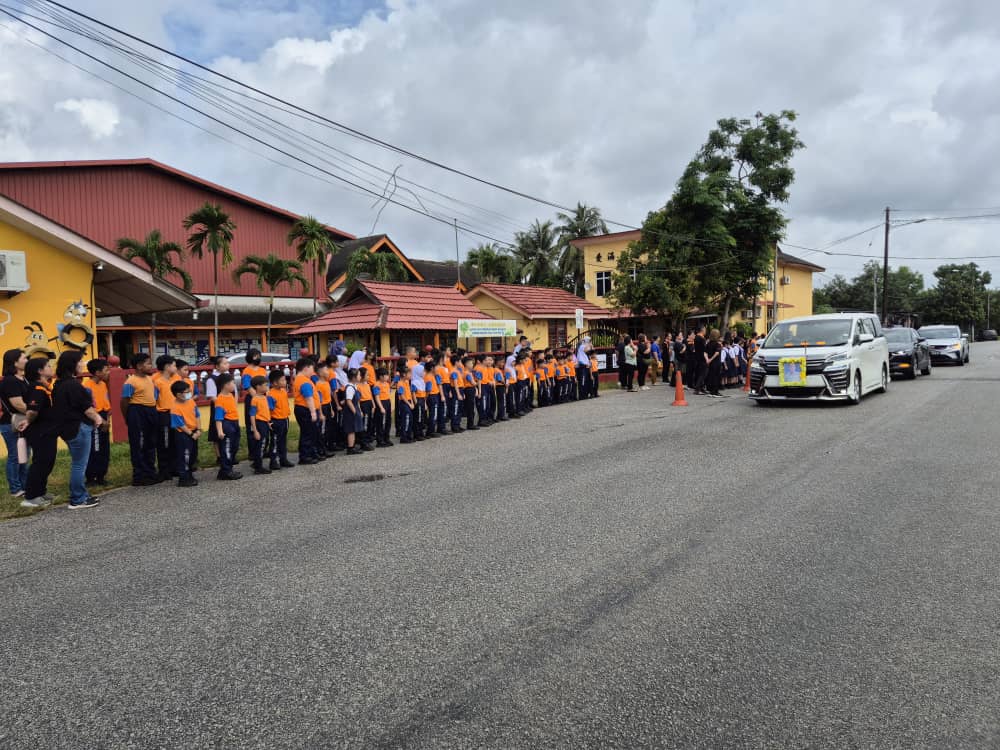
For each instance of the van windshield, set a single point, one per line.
(809, 333)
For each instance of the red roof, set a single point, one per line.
(540, 301)
(597, 239)
(106, 200)
(370, 305)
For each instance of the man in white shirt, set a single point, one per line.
(583, 386)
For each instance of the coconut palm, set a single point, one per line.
(380, 266)
(271, 272)
(493, 263)
(157, 256)
(534, 254)
(585, 221)
(314, 244)
(213, 232)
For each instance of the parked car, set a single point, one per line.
(908, 353)
(838, 357)
(947, 344)
(988, 335)
(238, 360)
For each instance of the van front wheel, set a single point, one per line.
(854, 397)
(884, 388)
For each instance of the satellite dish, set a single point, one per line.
(587, 287)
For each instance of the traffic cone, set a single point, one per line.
(679, 392)
(746, 378)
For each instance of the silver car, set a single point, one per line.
(947, 344)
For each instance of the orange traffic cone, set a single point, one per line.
(679, 392)
(746, 378)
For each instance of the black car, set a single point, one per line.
(908, 353)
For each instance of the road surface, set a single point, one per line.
(617, 573)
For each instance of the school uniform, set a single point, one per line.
(303, 389)
(404, 396)
(100, 446)
(500, 389)
(227, 414)
(482, 380)
(419, 392)
(510, 378)
(469, 393)
(382, 418)
(280, 412)
(141, 394)
(595, 383)
(249, 373)
(456, 376)
(352, 421)
(433, 390)
(184, 418)
(260, 413)
(165, 451)
(326, 432)
(541, 383)
(442, 377)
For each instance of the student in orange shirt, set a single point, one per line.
(280, 413)
(367, 403)
(326, 443)
(470, 391)
(227, 425)
(456, 377)
(138, 404)
(595, 370)
(442, 375)
(382, 398)
(260, 415)
(306, 411)
(100, 447)
(521, 393)
(166, 454)
(405, 403)
(251, 370)
(185, 422)
(432, 389)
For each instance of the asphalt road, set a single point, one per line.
(618, 573)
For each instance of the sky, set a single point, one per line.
(585, 101)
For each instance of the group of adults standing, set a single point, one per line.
(640, 362)
(44, 401)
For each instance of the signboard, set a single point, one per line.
(487, 329)
(579, 319)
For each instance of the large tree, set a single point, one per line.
(380, 266)
(314, 244)
(584, 221)
(714, 241)
(958, 297)
(493, 263)
(271, 272)
(864, 291)
(213, 231)
(535, 254)
(158, 257)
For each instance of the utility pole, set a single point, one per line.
(458, 259)
(774, 291)
(885, 273)
(874, 292)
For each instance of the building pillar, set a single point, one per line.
(111, 343)
(437, 339)
(263, 339)
(385, 345)
(212, 351)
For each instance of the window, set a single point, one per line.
(770, 283)
(557, 333)
(603, 283)
(611, 256)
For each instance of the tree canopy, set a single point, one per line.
(379, 266)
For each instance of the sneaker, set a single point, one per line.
(645, 388)
(19, 493)
(354, 451)
(307, 461)
(31, 504)
(274, 466)
(90, 502)
(190, 482)
(287, 465)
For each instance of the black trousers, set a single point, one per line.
(470, 407)
(230, 444)
(100, 452)
(258, 448)
(713, 378)
(628, 371)
(583, 381)
(383, 422)
(165, 451)
(185, 455)
(142, 432)
(43, 458)
(642, 369)
(308, 433)
(368, 412)
(420, 417)
(501, 394)
(279, 440)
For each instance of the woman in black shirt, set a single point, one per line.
(77, 418)
(13, 390)
(42, 430)
(713, 359)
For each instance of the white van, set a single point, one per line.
(838, 357)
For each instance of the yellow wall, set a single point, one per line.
(536, 330)
(592, 267)
(57, 281)
(798, 293)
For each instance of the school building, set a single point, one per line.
(601, 253)
(102, 201)
(387, 317)
(545, 315)
(53, 280)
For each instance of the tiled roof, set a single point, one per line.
(541, 301)
(791, 260)
(361, 315)
(369, 305)
(600, 239)
(443, 272)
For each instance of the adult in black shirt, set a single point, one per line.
(713, 363)
(644, 354)
(77, 417)
(701, 365)
(13, 391)
(41, 429)
(620, 354)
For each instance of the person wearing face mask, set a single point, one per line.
(186, 424)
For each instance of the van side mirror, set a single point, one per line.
(865, 338)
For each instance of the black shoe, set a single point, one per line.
(90, 502)
(261, 470)
(319, 458)
(504, 419)
(404, 441)
(274, 466)
(434, 435)
(367, 447)
(420, 438)
(456, 430)
(190, 482)
(472, 428)
(145, 482)
(354, 451)
(287, 465)
(231, 476)
(307, 461)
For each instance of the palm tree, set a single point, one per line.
(534, 253)
(214, 232)
(157, 255)
(493, 263)
(585, 221)
(380, 266)
(314, 245)
(271, 272)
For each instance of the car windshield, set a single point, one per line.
(898, 336)
(809, 333)
(940, 332)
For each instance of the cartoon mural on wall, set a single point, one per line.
(73, 334)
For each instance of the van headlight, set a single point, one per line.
(837, 361)
(757, 363)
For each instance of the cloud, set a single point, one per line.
(567, 100)
(96, 115)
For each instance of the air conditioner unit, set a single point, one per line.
(13, 272)
(786, 280)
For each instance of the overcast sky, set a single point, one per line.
(575, 101)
